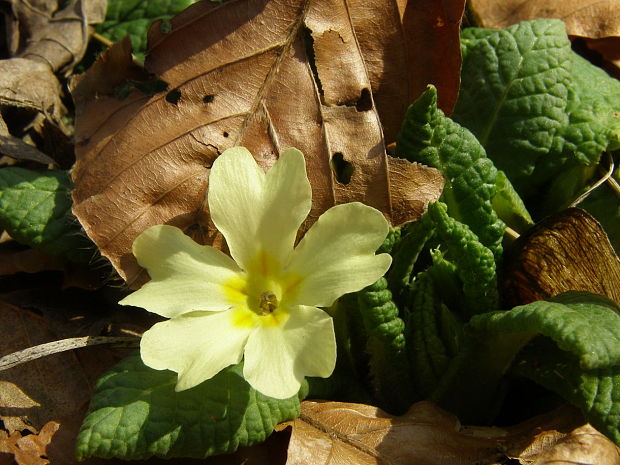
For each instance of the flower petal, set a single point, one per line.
(278, 357)
(186, 276)
(197, 346)
(337, 255)
(257, 212)
(287, 202)
(235, 194)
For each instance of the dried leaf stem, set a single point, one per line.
(607, 176)
(62, 345)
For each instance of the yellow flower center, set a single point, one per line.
(267, 302)
(259, 296)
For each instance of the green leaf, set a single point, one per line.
(429, 137)
(392, 239)
(509, 206)
(593, 105)
(514, 93)
(595, 392)
(537, 107)
(585, 325)
(405, 255)
(134, 17)
(135, 414)
(35, 209)
(604, 205)
(349, 382)
(475, 265)
(386, 347)
(433, 333)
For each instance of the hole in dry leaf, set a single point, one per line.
(309, 42)
(173, 96)
(343, 170)
(208, 98)
(150, 88)
(364, 103)
(225, 134)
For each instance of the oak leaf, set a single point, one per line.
(30, 449)
(263, 74)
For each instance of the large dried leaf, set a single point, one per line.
(563, 252)
(329, 433)
(586, 18)
(43, 390)
(263, 74)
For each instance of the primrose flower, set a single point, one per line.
(261, 304)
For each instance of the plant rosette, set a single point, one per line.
(261, 305)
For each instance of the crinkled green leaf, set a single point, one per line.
(35, 209)
(133, 18)
(446, 278)
(429, 137)
(391, 240)
(135, 414)
(594, 126)
(595, 392)
(514, 93)
(386, 347)
(405, 255)
(475, 264)
(584, 324)
(537, 107)
(593, 105)
(433, 333)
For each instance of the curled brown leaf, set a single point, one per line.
(52, 33)
(566, 251)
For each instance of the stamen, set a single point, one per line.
(268, 302)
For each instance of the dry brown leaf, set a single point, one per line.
(609, 49)
(56, 37)
(30, 449)
(583, 446)
(39, 391)
(19, 150)
(329, 433)
(585, 18)
(566, 251)
(431, 27)
(43, 40)
(240, 74)
(28, 261)
(29, 84)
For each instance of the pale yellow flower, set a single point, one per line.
(261, 304)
